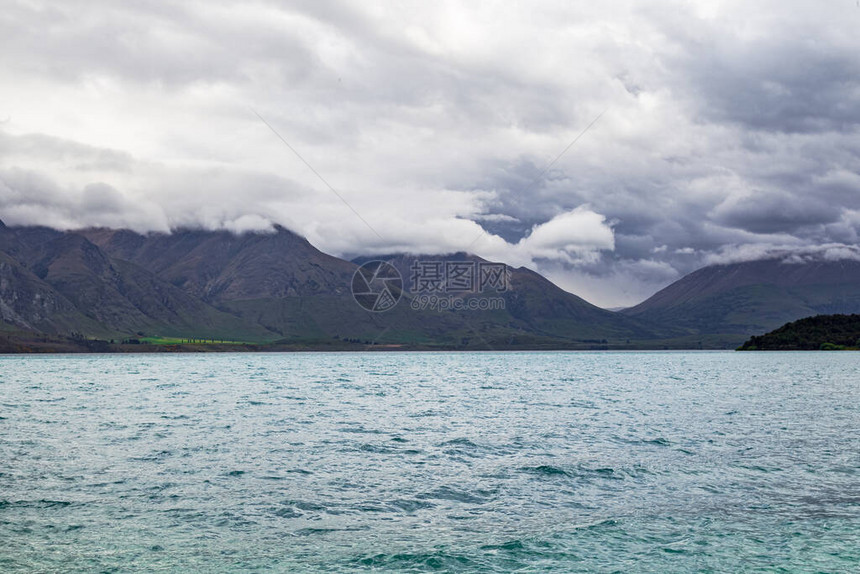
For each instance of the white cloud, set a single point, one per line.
(576, 236)
(791, 253)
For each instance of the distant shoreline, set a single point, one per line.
(49, 345)
(818, 333)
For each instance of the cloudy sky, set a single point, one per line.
(728, 128)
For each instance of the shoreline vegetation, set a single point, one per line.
(818, 333)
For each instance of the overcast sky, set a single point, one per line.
(729, 129)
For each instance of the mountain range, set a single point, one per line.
(260, 288)
(274, 290)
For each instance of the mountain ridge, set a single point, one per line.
(275, 286)
(103, 296)
(750, 297)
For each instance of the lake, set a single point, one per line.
(416, 462)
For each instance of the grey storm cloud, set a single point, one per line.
(768, 212)
(46, 148)
(730, 128)
(783, 79)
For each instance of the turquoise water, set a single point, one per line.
(478, 462)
